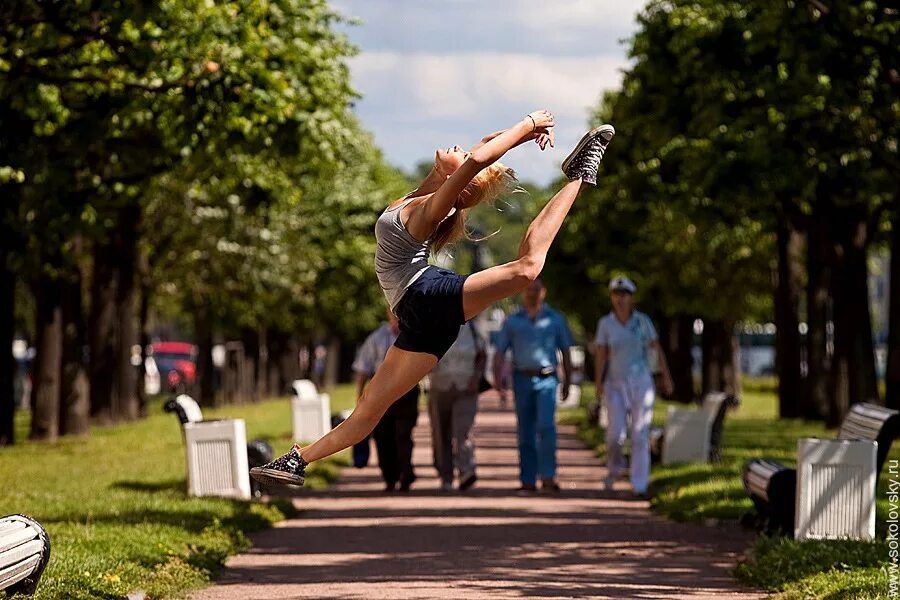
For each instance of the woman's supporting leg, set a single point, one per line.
(400, 371)
(486, 287)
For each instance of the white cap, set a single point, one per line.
(622, 283)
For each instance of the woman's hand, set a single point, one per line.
(542, 120)
(542, 123)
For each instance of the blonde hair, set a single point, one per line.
(487, 186)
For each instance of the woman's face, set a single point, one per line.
(622, 301)
(448, 160)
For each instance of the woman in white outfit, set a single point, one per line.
(624, 342)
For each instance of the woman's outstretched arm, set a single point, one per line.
(541, 138)
(424, 219)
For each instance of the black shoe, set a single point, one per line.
(549, 485)
(527, 487)
(406, 483)
(584, 161)
(390, 486)
(467, 481)
(289, 469)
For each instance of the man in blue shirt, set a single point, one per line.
(534, 334)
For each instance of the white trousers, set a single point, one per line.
(634, 398)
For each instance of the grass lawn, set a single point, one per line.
(115, 507)
(790, 570)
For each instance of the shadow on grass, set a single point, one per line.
(169, 485)
(245, 516)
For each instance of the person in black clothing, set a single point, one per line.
(393, 434)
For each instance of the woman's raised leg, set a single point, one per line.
(484, 288)
(400, 371)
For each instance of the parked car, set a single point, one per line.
(176, 363)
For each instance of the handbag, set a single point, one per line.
(483, 384)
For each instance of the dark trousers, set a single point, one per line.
(393, 439)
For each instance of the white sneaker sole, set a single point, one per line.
(585, 139)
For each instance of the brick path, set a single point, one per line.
(354, 541)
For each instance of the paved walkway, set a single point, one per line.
(354, 541)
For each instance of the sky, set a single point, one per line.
(437, 73)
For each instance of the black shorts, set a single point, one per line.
(431, 312)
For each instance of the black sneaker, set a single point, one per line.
(289, 469)
(467, 480)
(584, 161)
(406, 482)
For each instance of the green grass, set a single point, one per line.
(714, 493)
(115, 507)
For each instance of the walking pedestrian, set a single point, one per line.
(452, 404)
(626, 343)
(431, 302)
(393, 434)
(535, 334)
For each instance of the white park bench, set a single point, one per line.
(216, 451)
(831, 494)
(24, 552)
(692, 436)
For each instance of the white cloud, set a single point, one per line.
(439, 72)
(418, 102)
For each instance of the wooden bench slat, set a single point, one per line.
(10, 525)
(18, 572)
(20, 553)
(17, 537)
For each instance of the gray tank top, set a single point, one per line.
(400, 258)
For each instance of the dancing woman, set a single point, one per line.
(432, 302)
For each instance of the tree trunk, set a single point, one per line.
(47, 361)
(720, 369)
(144, 335)
(289, 368)
(126, 372)
(853, 365)
(676, 336)
(892, 375)
(252, 349)
(74, 404)
(332, 363)
(262, 366)
(7, 362)
(205, 375)
(102, 335)
(815, 405)
(787, 285)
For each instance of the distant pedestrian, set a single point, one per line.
(393, 434)
(626, 343)
(535, 334)
(452, 404)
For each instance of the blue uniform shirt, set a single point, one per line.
(534, 342)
